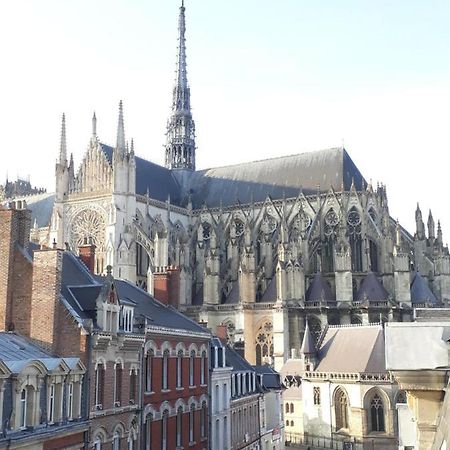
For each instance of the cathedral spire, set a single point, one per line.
(120, 144)
(180, 145)
(63, 145)
(430, 224)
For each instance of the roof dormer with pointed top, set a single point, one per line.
(180, 144)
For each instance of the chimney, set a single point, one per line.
(15, 269)
(221, 333)
(45, 304)
(166, 285)
(86, 252)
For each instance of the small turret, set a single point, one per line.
(439, 234)
(63, 145)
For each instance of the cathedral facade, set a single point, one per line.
(262, 247)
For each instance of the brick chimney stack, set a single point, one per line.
(45, 305)
(86, 252)
(167, 285)
(16, 269)
(221, 333)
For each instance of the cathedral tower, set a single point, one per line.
(180, 145)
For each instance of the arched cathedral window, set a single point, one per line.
(264, 343)
(341, 409)
(354, 233)
(377, 414)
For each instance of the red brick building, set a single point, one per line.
(146, 384)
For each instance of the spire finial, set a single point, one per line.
(94, 125)
(120, 145)
(63, 145)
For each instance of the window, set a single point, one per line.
(191, 368)
(203, 369)
(164, 424)
(130, 443)
(70, 401)
(165, 369)
(203, 420)
(133, 386)
(341, 409)
(127, 319)
(191, 423)
(148, 371)
(292, 423)
(116, 442)
(287, 408)
(291, 408)
(180, 369)
(377, 414)
(148, 432)
(179, 425)
(317, 395)
(23, 408)
(117, 384)
(97, 444)
(99, 385)
(51, 403)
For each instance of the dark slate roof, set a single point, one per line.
(420, 290)
(352, 349)
(157, 313)
(276, 177)
(14, 348)
(159, 181)
(41, 207)
(233, 296)
(80, 289)
(371, 289)
(308, 344)
(319, 290)
(270, 294)
(235, 360)
(270, 379)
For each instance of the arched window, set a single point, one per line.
(191, 368)
(23, 408)
(341, 409)
(373, 256)
(315, 327)
(117, 384)
(292, 423)
(99, 385)
(191, 422)
(203, 420)
(287, 408)
(287, 423)
(164, 430)
(148, 432)
(377, 414)
(180, 368)
(165, 370)
(354, 232)
(264, 343)
(291, 408)
(116, 442)
(148, 370)
(203, 369)
(179, 425)
(133, 386)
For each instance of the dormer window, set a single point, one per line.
(127, 315)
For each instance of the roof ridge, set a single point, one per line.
(274, 158)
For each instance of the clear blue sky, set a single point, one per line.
(267, 78)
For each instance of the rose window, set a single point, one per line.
(88, 226)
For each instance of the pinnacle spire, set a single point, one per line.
(120, 144)
(94, 125)
(180, 145)
(63, 145)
